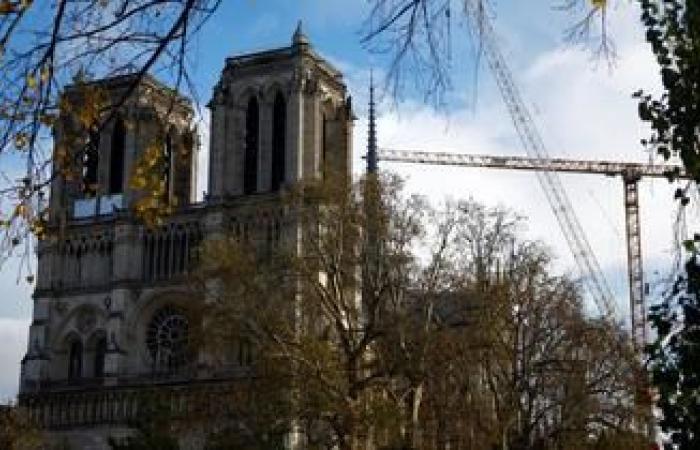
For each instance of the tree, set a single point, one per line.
(511, 360)
(300, 308)
(153, 429)
(17, 432)
(378, 319)
(673, 31)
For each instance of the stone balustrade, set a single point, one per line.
(123, 405)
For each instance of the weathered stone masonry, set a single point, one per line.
(110, 306)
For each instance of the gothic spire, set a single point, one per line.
(299, 38)
(372, 132)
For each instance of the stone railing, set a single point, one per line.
(127, 404)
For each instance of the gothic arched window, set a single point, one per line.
(75, 360)
(100, 354)
(116, 164)
(250, 165)
(167, 339)
(279, 135)
(91, 159)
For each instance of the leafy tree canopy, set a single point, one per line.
(673, 31)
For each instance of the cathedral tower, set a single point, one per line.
(278, 116)
(95, 160)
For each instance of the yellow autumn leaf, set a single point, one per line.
(599, 4)
(21, 140)
(47, 119)
(45, 73)
(31, 81)
(21, 210)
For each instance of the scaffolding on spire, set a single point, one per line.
(372, 131)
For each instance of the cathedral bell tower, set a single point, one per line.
(96, 152)
(278, 116)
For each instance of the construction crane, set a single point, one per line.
(591, 274)
(483, 33)
(631, 174)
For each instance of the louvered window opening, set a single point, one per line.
(170, 251)
(87, 261)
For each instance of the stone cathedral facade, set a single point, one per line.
(111, 309)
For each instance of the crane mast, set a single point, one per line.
(534, 147)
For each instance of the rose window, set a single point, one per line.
(167, 339)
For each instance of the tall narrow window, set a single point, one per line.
(167, 165)
(100, 353)
(116, 164)
(75, 360)
(250, 165)
(279, 134)
(91, 158)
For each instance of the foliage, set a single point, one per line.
(268, 299)
(673, 31)
(674, 359)
(17, 432)
(153, 202)
(153, 431)
(379, 318)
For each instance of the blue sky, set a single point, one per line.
(583, 108)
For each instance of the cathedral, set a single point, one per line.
(111, 310)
